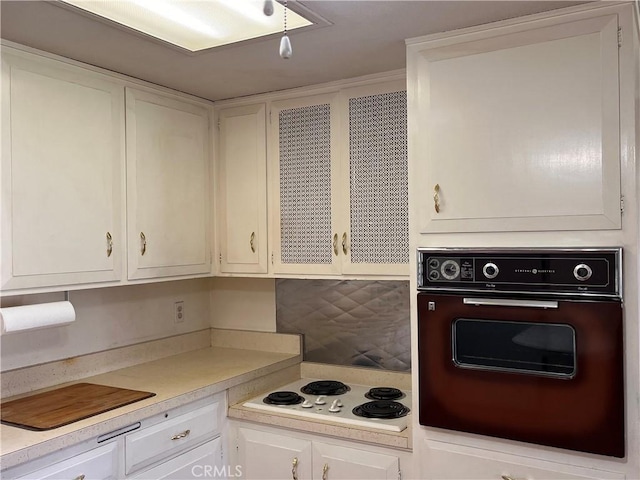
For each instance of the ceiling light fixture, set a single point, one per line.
(285, 44)
(196, 25)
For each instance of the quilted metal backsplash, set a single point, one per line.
(351, 322)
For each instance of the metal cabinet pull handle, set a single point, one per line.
(507, 477)
(80, 477)
(109, 244)
(181, 435)
(325, 469)
(294, 468)
(344, 243)
(143, 243)
(251, 240)
(436, 197)
(335, 244)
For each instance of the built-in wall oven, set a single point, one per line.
(523, 344)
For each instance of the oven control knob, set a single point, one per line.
(434, 275)
(306, 404)
(582, 272)
(490, 270)
(320, 400)
(450, 269)
(335, 406)
(434, 263)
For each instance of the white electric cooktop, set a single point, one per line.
(339, 408)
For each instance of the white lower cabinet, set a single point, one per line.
(182, 443)
(264, 455)
(443, 461)
(98, 464)
(339, 462)
(269, 453)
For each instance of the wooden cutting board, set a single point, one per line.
(62, 406)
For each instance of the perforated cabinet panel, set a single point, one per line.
(305, 185)
(378, 178)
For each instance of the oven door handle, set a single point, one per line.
(505, 302)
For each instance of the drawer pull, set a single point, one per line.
(294, 468)
(335, 244)
(251, 242)
(507, 477)
(181, 435)
(436, 197)
(325, 470)
(79, 477)
(344, 243)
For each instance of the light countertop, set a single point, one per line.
(176, 380)
(236, 362)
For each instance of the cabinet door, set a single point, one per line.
(374, 179)
(441, 463)
(331, 462)
(204, 461)
(304, 143)
(167, 186)
(242, 209)
(271, 456)
(518, 130)
(62, 174)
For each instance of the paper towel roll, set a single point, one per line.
(41, 315)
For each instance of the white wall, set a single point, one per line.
(244, 304)
(107, 318)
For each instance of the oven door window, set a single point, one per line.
(520, 347)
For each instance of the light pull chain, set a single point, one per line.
(285, 44)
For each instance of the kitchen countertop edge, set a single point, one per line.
(400, 440)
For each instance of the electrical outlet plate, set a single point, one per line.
(178, 312)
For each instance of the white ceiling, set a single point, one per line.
(362, 37)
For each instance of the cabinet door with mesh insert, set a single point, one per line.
(304, 143)
(374, 173)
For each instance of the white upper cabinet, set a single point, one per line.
(341, 203)
(62, 174)
(167, 186)
(375, 204)
(516, 128)
(242, 190)
(304, 146)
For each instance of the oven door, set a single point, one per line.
(544, 372)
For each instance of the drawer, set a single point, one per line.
(201, 462)
(170, 437)
(97, 464)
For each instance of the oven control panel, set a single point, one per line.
(582, 272)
